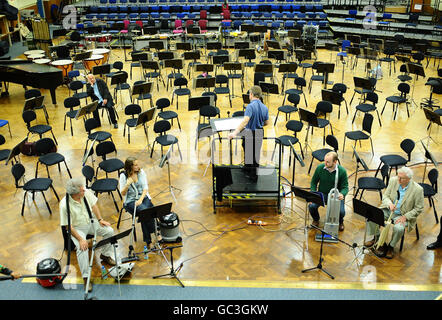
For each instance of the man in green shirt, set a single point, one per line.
(325, 175)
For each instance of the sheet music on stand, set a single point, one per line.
(226, 124)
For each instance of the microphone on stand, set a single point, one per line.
(131, 256)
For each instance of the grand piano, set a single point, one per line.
(30, 74)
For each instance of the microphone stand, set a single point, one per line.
(319, 266)
(131, 256)
(173, 272)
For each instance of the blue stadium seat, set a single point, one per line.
(289, 24)
(352, 14)
(237, 24)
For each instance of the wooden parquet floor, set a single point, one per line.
(222, 246)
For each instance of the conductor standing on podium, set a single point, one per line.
(256, 116)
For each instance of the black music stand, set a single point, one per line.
(156, 44)
(296, 157)
(355, 52)
(191, 55)
(118, 79)
(234, 66)
(205, 68)
(247, 28)
(276, 54)
(265, 68)
(241, 45)
(260, 29)
(87, 109)
(308, 197)
(248, 54)
(142, 119)
(143, 90)
(288, 70)
(113, 240)
(362, 84)
(218, 60)
(329, 236)
(165, 159)
(428, 156)
(333, 97)
(33, 103)
(359, 161)
(82, 56)
(175, 64)
(312, 119)
(371, 214)
(205, 83)
(213, 46)
(185, 46)
(100, 70)
(294, 34)
(156, 212)
(326, 69)
(150, 30)
(269, 88)
(417, 70)
(166, 55)
(195, 103)
(16, 151)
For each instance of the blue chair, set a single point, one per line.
(352, 14)
(385, 16)
(4, 123)
(289, 24)
(275, 25)
(237, 24)
(290, 15)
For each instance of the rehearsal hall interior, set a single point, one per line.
(220, 149)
